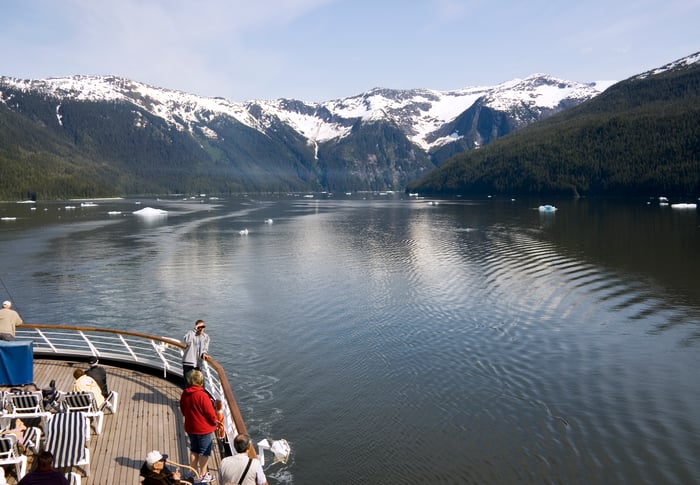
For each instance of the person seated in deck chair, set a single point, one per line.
(44, 473)
(17, 428)
(50, 397)
(99, 374)
(154, 471)
(85, 383)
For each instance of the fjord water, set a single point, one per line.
(401, 341)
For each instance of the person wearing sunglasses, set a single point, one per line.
(197, 347)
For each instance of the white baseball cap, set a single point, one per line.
(153, 457)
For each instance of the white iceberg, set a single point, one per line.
(150, 212)
(279, 448)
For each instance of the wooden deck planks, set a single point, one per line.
(148, 418)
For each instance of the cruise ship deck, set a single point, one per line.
(147, 418)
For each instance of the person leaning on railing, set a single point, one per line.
(9, 319)
(196, 349)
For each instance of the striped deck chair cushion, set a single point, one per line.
(31, 438)
(66, 437)
(24, 402)
(73, 478)
(80, 401)
(6, 447)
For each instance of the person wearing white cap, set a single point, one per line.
(155, 472)
(9, 319)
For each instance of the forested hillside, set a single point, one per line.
(93, 136)
(639, 137)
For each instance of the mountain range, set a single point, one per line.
(90, 136)
(641, 137)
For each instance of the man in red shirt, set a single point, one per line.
(200, 423)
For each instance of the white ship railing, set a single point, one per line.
(133, 350)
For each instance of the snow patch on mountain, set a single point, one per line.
(680, 63)
(417, 112)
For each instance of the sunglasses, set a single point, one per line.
(201, 327)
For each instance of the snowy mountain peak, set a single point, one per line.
(419, 113)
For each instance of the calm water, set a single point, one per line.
(397, 341)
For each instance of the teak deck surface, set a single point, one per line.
(148, 418)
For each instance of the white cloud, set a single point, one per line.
(324, 49)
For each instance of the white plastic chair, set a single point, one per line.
(111, 402)
(84, 402)
(9, 455)
(24, 405)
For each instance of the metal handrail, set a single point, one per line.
(136, 350)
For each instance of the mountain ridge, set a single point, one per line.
(182, 109)
(133, 138)
(638, 138)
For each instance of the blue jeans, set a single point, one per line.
(201, 443)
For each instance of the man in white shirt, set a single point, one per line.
(9, 319)
(240, 468)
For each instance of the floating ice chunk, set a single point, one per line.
(150, 212)
(547, 208)
(279, 448)
(684, 206)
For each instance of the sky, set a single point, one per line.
(320, 50)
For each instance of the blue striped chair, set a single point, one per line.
(24, 405)
(73, 478)
(67, 437)
(83, 402)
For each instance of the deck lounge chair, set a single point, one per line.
(84, 402)
(67, 437)
(9, 455)
(31, 438)
(111, 402)
(73, 478)
(24, 405)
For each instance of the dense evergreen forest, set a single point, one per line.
(639, 137)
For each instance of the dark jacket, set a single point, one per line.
(154, 478)
(99, 375)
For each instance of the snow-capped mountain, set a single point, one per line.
(376, 140)
(419, 113)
